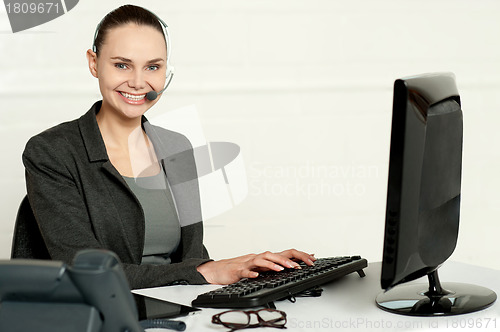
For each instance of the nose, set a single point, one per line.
(136, 81)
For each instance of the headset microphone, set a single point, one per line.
(152, 95)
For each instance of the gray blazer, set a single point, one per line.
(81, 201)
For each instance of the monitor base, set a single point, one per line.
(451, 299)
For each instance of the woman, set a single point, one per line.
(93, 182)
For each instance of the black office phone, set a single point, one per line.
(92, 295)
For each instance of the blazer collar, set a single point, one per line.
(91, 135)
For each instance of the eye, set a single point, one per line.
(120, 65)
(153, 67)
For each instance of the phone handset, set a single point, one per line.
(99, 277)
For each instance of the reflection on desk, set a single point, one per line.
(348, 304)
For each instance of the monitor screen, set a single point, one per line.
(423, 193)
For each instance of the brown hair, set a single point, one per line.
(124, 15)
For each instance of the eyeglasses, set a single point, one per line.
(239, 319)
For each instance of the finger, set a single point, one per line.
(267, 262)
(274, 261)
(249, 274)
(296, 254)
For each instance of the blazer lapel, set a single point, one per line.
(132, 226)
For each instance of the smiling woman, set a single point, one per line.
(112, 180)
(130, 63)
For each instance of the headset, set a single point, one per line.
(151, 95)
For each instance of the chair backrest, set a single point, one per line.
(28, 241)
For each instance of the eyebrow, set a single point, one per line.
(130, 61)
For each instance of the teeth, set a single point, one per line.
(133, 97)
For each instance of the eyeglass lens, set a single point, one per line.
(241, 319)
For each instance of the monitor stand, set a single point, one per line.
(452, 299)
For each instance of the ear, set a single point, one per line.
(92, 59)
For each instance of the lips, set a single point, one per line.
(131, 98)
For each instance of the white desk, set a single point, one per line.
(348, 304)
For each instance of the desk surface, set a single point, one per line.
(349, 304)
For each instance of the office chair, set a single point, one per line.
(27, 241)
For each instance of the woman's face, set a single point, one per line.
(132, 61)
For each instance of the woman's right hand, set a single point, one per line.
(228, 271)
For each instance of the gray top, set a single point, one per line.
(163, 231)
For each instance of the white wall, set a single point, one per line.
(302, 87)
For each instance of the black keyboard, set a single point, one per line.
(270, 286)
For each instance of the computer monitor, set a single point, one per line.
(423, 200)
